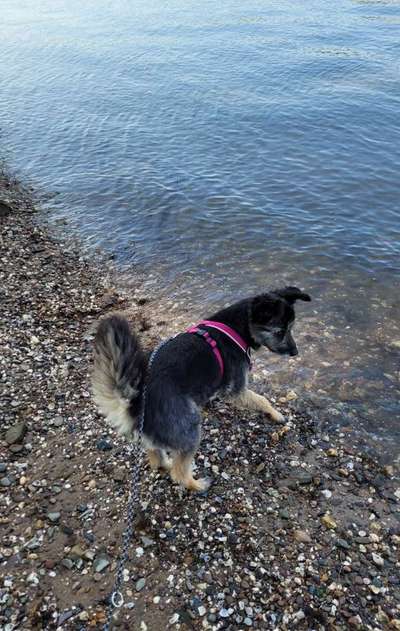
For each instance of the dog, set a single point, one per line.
(189, 370)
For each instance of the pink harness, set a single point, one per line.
(223, 328)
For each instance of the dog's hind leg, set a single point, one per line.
(252, 401)
(154, 458)
(158, 458)
(181, 472)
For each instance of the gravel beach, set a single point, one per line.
(300, 529)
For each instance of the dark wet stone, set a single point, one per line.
(67, 530)
(3, 467)
(5, 209)
(341, 543)
(104, 445)
(66, 615)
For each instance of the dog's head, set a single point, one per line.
(272, 318)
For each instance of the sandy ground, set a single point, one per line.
(299, 530)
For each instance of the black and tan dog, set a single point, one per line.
(189, 370)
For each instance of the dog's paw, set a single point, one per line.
(277, 417)
(201, 485)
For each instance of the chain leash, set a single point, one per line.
(116, 598)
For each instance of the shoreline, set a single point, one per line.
(299, 529)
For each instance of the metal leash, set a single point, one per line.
(116, 598)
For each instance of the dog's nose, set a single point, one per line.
(293, 352)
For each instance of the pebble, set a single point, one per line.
(16, 433)
(140, 584)
(328, 521)
(174, 619)
(332, 452)
(68, 563)
(100, 563)
(83, 616)
(342, 543)
(378, 560)
(53, 517)
(355, 621)
(58, 421)
(5, 482)
(302, 536)
(104, 445)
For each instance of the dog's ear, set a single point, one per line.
(291, 294)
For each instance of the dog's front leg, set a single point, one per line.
(252, 401)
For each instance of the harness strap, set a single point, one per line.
(232, 334)
(207, 338)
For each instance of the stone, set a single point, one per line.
(119, 475)
(342, 543)
(16, 433)
(225, 613)
(53, 517)
(5, 482)
(355, 621)
(104, 445)
(378, 560)
(33, 544)
(100, 563)
(5, 209)
(83, 616)
(140, 584)
(174, 619)
(63, 617)
(16, 449)
(302, 477)
(3, 467)
(68, 563)
(302, 536)
(76, 552)
(328, 521)
(58, 421)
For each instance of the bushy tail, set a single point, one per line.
(118, 373)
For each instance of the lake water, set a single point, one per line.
(226, 148)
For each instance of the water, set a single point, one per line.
(224, 150)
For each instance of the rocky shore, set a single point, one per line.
(299, 530)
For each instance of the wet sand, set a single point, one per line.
(301, 528)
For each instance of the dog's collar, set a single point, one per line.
(228, 331)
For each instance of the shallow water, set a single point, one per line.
(227, 149)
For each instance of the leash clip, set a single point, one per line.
(117, 599)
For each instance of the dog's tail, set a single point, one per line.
(118, 373)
